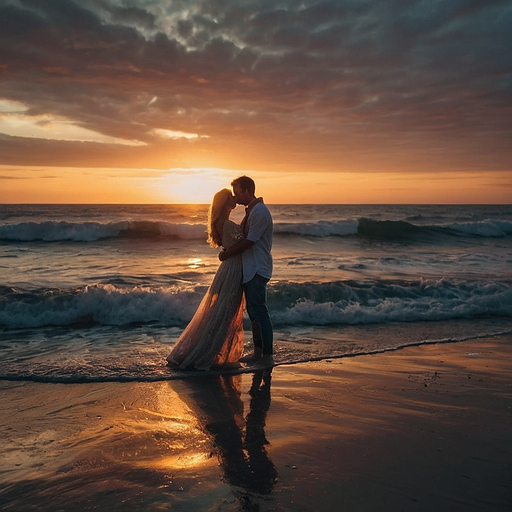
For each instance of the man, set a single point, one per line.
(257, 268)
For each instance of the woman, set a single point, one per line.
(214, 337)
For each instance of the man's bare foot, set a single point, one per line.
(264, 362)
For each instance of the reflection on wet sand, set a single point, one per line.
(146, 446)
(240, 443)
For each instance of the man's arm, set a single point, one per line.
(237, 248)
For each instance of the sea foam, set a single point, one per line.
(339, 303)
(488, 228)
(51, 231)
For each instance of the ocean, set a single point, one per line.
(93, 293)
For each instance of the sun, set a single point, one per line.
(194, 186)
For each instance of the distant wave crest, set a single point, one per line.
(52, 231)
(488, 228)
(388, 229)
(318, 229)
(395, 229)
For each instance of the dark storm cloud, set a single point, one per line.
(337, 72)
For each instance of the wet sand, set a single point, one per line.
(420, 429)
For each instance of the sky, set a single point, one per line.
(348, 101)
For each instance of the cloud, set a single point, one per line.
(11, 107)
(5, 177)
(53, 128)
(173, 134)
(331, 78)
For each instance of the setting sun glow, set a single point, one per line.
(318, 103)
(197, 186)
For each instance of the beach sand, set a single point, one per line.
(419, 429)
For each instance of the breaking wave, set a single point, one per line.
(52, 231)
(334, 303)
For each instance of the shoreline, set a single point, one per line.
(281, 360)
(425, 427)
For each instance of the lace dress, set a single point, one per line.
(214, 338)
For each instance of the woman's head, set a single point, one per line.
(223, 202)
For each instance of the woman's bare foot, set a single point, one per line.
(252, 358)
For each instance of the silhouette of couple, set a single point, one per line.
(214, 337)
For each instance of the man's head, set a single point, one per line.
(243, 190)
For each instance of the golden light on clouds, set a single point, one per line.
(318, 101)
(12, 107)
(16, 122)
(175, 134)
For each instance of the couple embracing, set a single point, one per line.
(214, 337)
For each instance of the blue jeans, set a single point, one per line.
(256, 302)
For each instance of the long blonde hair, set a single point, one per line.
(215, 212)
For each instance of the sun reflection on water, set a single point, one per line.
(194, 262)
